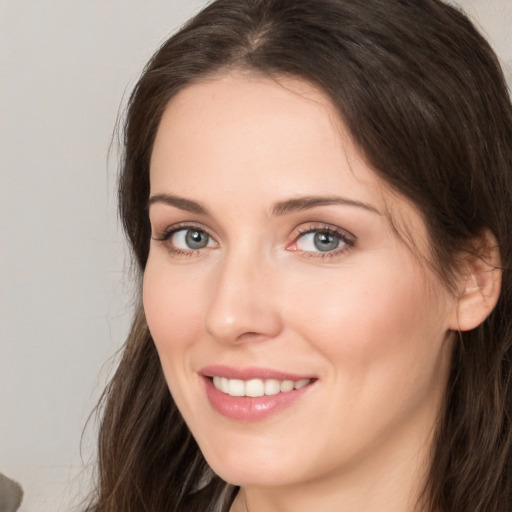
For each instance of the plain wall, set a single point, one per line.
(65, 294)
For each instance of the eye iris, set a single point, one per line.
(196, 239)
(326, 241)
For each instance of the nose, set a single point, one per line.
(243, 306)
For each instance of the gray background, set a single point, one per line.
(65, 293)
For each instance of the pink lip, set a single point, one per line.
(250, 373)
(249, 408)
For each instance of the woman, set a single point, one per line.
(317, 198)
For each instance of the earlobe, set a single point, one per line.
(479, 286)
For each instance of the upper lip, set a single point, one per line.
(250, 372)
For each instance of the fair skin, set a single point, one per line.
(245, 274)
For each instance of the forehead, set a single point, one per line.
(244, 142)
(236, 128)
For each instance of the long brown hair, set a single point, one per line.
(426, 102)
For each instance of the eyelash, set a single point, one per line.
(166, 235)
(347, 239)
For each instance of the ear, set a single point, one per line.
(479, 284)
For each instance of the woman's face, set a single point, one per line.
(300, 337)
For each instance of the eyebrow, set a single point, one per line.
(179, 202)
(307, 202)
(279, 208)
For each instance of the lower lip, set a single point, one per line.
(245, 408)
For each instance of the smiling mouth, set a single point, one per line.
(257, 387)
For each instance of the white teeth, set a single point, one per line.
(254, 387)
(224, 385)
(287, 385)
(236, 387)
(272, 387)
(257, 387)
(301, 383)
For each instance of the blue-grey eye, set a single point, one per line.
(190, 239)
(326, 241)
(322, 241)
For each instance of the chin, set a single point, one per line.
(254, 466)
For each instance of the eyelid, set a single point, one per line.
(166, 234)
(347, 238)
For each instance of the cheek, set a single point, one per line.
(381, 334)
(172, 307)
(173, 314)
(382, 314)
